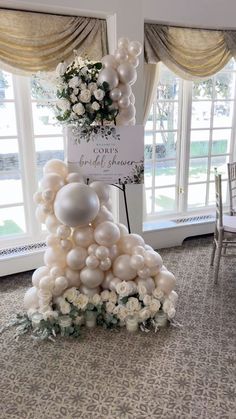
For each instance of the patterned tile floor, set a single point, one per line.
(178, 373)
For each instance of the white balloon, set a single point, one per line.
(123, 42)
(138, 250)
(108, 75)
(102, 252)
(102, 190)
(127, 243)
(115, 94)
(56, 166)
(37, 197)
(83, 236)
(92, 248)
(132, 98)
(52, 223)
(124, 102)
(144, 272)
(66, 245)
(76, 204)
(153, 259)
(128, 113)
(148, 283)
(46, 283)
(121, 55)
(61, 283)
(125, 89)
(38, 274)
(55, 256)
(123, 229)
(48, 195)
(135, 48)
(107, 233)
(122, 268)
(113, 283)
(103, 215)
(173, 296)
(137, 262)
(91, 278)
(63, 232)
(134, 61)
(105, 264)
(165, 281)
(90, 292)
(109, 61)
(56, 271)
(73, 277)
(113, 252)
(52, 181)
(107, 280)
(92, 262)
(75, 177)
(31, 298)
(40, 214)
(76, 258)
(127, 73)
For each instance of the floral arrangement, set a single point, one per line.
(81, 98)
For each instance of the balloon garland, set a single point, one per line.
(94, 271)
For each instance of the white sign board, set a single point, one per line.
(109, 154)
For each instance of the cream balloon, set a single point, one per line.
(83, 236)
(46, 283)
(52, 181)
(155, 270)
(38, 274)
(153, 259)
(108, 75)
(148, 283)
(138, 250)
(105, 264)
(113, 283)
(165, 281)
(135, 48)
(76, 258)
(124, 102)
(115, 94)
(73, 277)
(113, 252)
(37, 197)
(127, 243)
(121, 55)
(74, 177)
(127, 73)
(128, 113)
(90, 292)
(137, 262)
(92, 248)
(123, 42)
(76, 205)
(125, 89)
(40, 214)
(103, 215)
(66, 245)
(55, 271)
(92, 262)
(107, 233)
(52, 223)
(144, 272)
(123, 230)
(91, 278)
(56, 166)
(63, 232)
(122, 269)
(134, 61)
(55, 256)
(31, 299)
(61, 283)
(107, 280)
(102, 190)
(102, 252)
(109, 61)
(48, 195)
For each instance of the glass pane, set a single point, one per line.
(10, 189)
(198, 170)
(196, 195)
(148, 194)
(47, 149)
(12, 221)
(148, 174)
(221, 141)
(167, 115)
(223, 112)
(212, 197)
(199, 143)
(149, 123)
(224, 85)
(168, 87)
(203, 89)
(165, 199)
(9, 157)
(165, 173)
(231, 65)
(165, 144)
(201, 114)
(7, 119)
(6, 86)
(42, 88)
(221, 164)
(44, 119)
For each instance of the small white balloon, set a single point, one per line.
(137, 262)
(121, 55)
(90, 292)
(73, 277)
(109, 61)
(76, 258)
(123, 42)
(83, 236)
(127, 243)
(144, 272)
(124, 102)
(61, 282)
(38, 274)
(138, 250)
(52, 223)
(92, 262)
(91, 278)
(113, 283)
(31, 299)
(63, 232)
(122, 269)
(113, 252)
(128, 113)
(125, 89)
(46, 283)
(127, 73)
(56, 271)
(102, 252)
(115, 94)
(74, 177)
(134, 61)
(48, 195)
(107, 233)
(108, 75)
(105, 264)
(37, 197)
(92, 248)
(52, 181)
(55, 256)
(135, 48)
(132, 98)
(57, 166)
(66, 245)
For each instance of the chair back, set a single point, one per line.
(232, 187)
(219, 206)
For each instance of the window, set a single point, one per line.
(190, 132)
(29, 137)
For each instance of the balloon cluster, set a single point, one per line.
(119, 71)
(86, 249)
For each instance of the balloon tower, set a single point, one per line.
(95, 272)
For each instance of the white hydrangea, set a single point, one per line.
(74, 82)
(92, 87)
(71, 294)
(95, 106)
(147, 300)
(123, 313)
(113, 297)
(73, 98)
(83, 86)
(99, 94)
(154, 306)
(85, 96)
(167, 305)
(79, 109)
(63, 104)
(50, 314)
(64, 307)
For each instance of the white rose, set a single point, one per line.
(74, 82)
(84, 70)
(110, 307)
(147, 300)
(96, 299)
(45, 296)
(99, 94)
(123, 313)
(157, 293)
(79, 109)
(63, 104)
(123, 289)
(133, 304)
(76, 91)
(171, 313)
(60, 69)
(73, 98)
(113, 297)
(117, 309)
(142, 290)
(105, 295)
(71, 294)
(85, 96)
(167, 305)
(83, 86)
(79, 320)
(173, 296)
(92, 87)
(154, 306)
(64, 307)
(144, 314)
(95, 106)
(82, 301)
(50, 314)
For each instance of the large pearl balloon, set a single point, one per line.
(153, 259)
(76, 258)
(127, 73)
(52, 223)
(107, 233)
(56, 166)
(122, 268)
(127, 243)
(31, 299)
(74, 177)
(55, 256)
(102, 190)
(38, 274)
(115, 94)
(76, 204)
(52, 181)
(108, 75)
(83, 236)
(90, 292)
(109, 61)
(165, 281)
(73, 277)
(91, 278)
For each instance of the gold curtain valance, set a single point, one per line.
(190, 53)
(37, 42)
